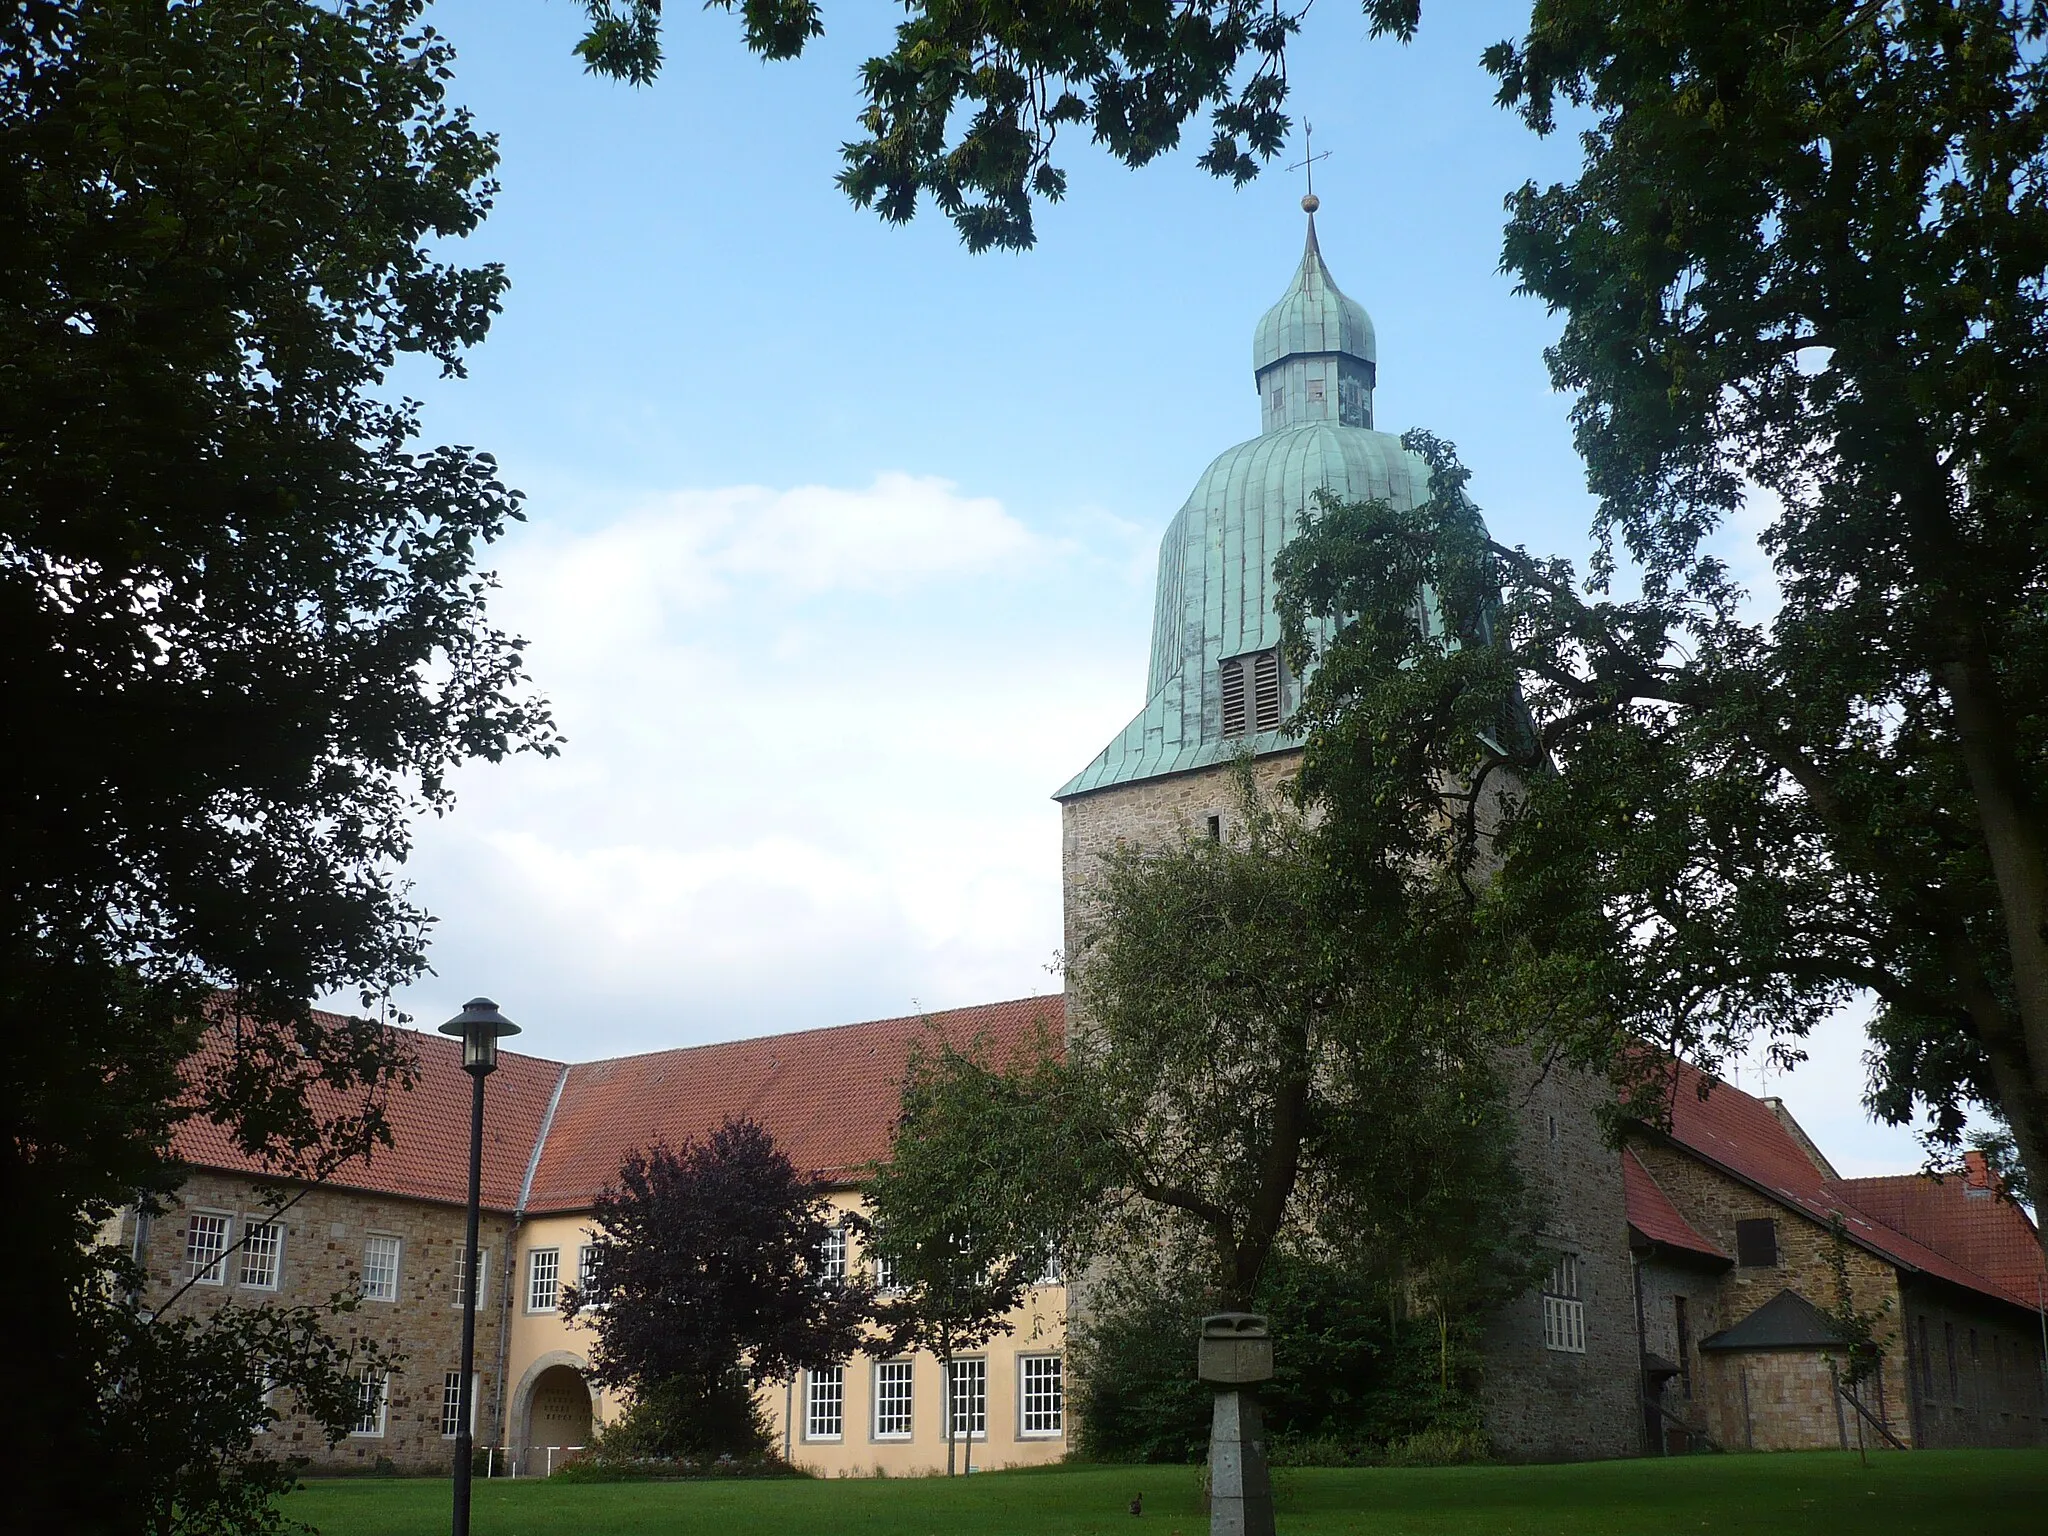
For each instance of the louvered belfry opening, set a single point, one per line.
(1251, 693)
(1233, 696)
(1266, 689)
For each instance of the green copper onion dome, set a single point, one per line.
(1216, 685)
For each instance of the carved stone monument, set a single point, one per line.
(1235, 1355)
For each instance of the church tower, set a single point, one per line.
(1217, 684)
(1218, 687)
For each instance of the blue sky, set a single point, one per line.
(841, 541)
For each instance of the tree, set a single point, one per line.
(242, 628)
(966, 107)
(1252, 1071)
(708, 1280)
(1801, 272)
(965, 1127)
(1860, 1335)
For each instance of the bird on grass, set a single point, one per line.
(1138, 1505)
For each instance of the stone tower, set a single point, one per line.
(1217, 687)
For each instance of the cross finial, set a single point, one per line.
(1307, 163)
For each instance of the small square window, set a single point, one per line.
(262, 1248)
(825, 1404)
(1315, 391)
(206, 1246)
(1756, 1243)
(380, 1268)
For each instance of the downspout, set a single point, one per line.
(547, 1121)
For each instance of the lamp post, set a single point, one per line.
(479, 1026)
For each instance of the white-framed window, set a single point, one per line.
(588, 1257)
(1049, 1270)
(886, 1279)
(206, 1246)
(543, 1278)
(458, 1285)
(1564, 1314)
(380, 1267)
(892, 1400)
(825, 1403)
(1041, 1395)
(967, 1400)
(373, 1403)
(262, 1254)
(832, 1254)
(451, 1403)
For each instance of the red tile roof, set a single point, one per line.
(1745, 1137)
(1990, 1235)
(828, 1096)
(429, 1155)
(1652, 1214)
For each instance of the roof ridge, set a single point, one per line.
(540, 1139)
(822, 1029)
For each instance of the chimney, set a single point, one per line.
(1977, 1175)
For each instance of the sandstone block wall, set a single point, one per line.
(1776, 1400)
(1714, 1203)
(323, 1252)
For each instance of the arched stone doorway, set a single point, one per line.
(551, 1408)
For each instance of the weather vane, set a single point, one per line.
(1307, 163)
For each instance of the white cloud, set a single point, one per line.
(812, 736)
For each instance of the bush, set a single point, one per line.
(1355, 1382)
(605, 1469)
(681, 1419)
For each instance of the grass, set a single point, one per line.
(1928, 1493)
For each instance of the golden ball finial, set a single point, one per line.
(1311, 203)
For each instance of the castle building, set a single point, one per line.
(1691, 1270)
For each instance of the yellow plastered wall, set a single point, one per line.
(542, 1341)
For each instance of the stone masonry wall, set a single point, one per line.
(1539, 1403)
(1544, 1404)
(1975, 1376)
(323, 1252)
(1713, 1203)
(1685, 1396)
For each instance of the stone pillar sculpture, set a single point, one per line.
(1236, 1353)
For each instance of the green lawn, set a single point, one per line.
(1932, 1493)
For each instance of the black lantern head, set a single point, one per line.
(479, 1026)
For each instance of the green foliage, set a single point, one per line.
(243, 638)
(966, 1237)
(195, 1397)
(1861, 1333)
(966, 107)
(707, 1282)
(1357, 1372)
(685, 1420)
(1805, 257)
